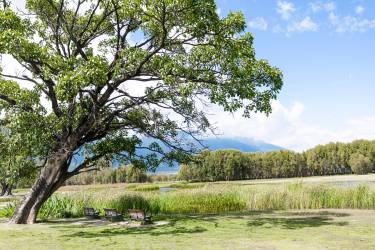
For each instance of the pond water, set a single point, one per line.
(166, 189)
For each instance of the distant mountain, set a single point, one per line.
(212, 143)
(241, 144)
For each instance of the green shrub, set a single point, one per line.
(8, 210)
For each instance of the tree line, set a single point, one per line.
(122, 174)
(331, 159)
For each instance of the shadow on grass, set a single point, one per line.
(315, 213)
(138, 231)
(295, 223)
(196, 224)
(246, 215)
(178, 224)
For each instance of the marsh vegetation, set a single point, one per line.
(206, 198)
(276, 213)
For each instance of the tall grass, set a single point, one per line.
(208, 199)
(298, 196)
(201, 201)
(146, 188)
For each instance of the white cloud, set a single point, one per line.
(359, 128)
(287, 127)
(285, 9)
(274, 129)
(306, 24)
(350, 23)
(359, 9)
(326, 6)
(258, 23)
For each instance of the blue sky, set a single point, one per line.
(326, 52)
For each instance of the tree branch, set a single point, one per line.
(8, 100)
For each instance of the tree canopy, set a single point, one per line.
(81, 57)
(98, 75)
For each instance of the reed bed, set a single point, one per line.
(208, 199)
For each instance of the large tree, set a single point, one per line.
(101, 74)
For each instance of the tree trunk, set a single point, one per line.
(4, 188)
(8, 190)
(51, 177)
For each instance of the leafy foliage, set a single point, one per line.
(83, 57)
(16, 162)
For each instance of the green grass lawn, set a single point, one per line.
(310, 229)
(282, 229)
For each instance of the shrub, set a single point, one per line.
(8, 210)
(184, 173)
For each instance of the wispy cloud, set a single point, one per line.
(258, 23)
(350, 23)
(326, 6)
(285, 9)
(359, 9)
(306, 24)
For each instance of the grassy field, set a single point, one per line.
(336, 180)
(266, 214)
(312, 229)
